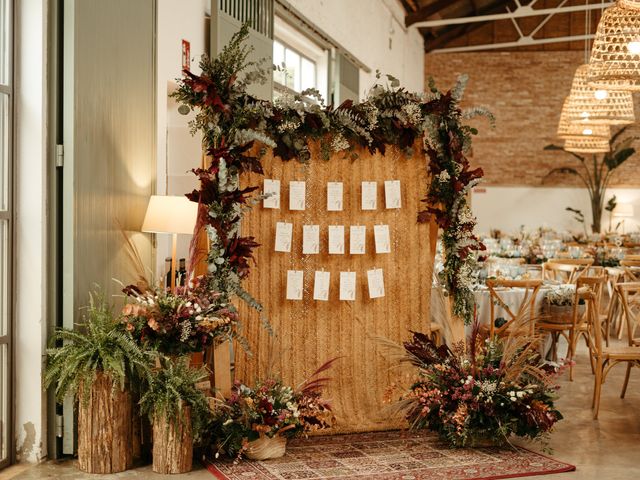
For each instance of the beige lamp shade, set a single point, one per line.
(589, 106)
(615, 58)
(170, 214)
(623, 210)
(587, 145)
(567, 130)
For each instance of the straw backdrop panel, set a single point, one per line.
(309, 332)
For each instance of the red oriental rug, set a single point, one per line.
(390, 456)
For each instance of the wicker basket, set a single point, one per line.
(561, 314)
(265, 448)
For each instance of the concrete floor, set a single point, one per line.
(605, 449)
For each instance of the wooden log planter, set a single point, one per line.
(173, 443)
(105, 428)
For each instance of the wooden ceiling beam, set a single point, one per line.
(448, 34)
(426, 12)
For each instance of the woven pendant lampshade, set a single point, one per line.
(567, 130)
(615, 58)
(590, 106)
(587, 144)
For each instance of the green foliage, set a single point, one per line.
(595, 175)
(611, 204)
(98, 345)
(173, 386)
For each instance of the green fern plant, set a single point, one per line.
(174, 386)
(98, 345)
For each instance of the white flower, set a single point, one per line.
(339, 143)
(444, 176)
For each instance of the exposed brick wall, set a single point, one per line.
(525, 91)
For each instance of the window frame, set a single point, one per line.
(8, 216)
(282, 87)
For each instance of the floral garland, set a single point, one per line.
(233, 122)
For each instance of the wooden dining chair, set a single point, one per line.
(581, 265)
(605, 358)
(523, 313)
(629, 294)
(576, 326)
(559, 272)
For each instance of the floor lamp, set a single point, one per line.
(174, 215)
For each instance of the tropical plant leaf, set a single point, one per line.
(616, 159)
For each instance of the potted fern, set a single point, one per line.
(178, 411)
(95, 364)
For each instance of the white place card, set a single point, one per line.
(369, 195)
(375, 279)
(382, 238)
(347, 285)
(357, 239)
(334, 196)
(321, 286)
(392, 195)
(272, 190)
(297, 192)
(336, 239)
(310, 239)
(295, 281)
(284, 234)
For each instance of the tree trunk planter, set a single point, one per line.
(104, 428)
(173, 443)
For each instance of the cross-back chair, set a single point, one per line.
(604, 358)
(523, 313)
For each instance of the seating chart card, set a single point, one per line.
(392, 196)
(297, 195)
(375, 280)
(336, 239)
(284, 233)
(334, 196)
(321, 286)
(357, 239)
(382, 238)
(369, 195)
(310, 239)
(272, 189)
(348, 286)
(294, 284)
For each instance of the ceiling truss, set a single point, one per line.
(459, 25)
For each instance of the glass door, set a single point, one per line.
(5, 229)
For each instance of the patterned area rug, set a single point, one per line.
(389, 456)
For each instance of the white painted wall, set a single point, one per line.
(178, 151)
(30, 228)
(373, 31)
(507, 208)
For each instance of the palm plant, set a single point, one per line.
(595, 173)
(99, 346)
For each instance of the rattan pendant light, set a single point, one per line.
(587, 145)
(615, 59)
(590, 106)
(575, 131)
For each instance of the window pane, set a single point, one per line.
(4, 42)
(4, 275)
(278, 60)
(292, 60)
(4, 150)
(4, 400)
(308, 74)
